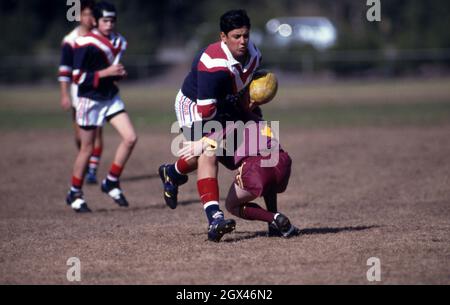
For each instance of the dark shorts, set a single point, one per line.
(259, 180)
(228, 162)
(195, 132)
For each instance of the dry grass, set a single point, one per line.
(355, 193)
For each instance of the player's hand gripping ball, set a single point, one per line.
(263, 87)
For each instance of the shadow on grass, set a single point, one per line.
(189, 201)
(131, 209)
(300, 232)
(160, 206)
(139, 177)
(326, 230)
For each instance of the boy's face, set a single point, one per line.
(237, 41)
(106, 25)
(87, 19)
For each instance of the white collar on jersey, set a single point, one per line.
(232, 61)
(115, 39)
(77, 30)
(97, 32)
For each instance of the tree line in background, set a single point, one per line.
(36, 27)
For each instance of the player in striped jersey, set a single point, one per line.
(96, 72)
(219, 76)
(69, 90)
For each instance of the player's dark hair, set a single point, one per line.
(84, 4)
(104, 9)
(234, 19)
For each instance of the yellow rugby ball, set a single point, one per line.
(263, 87)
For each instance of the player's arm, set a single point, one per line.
(65, 96)
(65, 75)
(84, 77)
(194, 149)
(117, 70)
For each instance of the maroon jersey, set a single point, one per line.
(243, 141)
(263, 166)
(259, 180)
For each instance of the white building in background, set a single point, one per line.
(318, 32)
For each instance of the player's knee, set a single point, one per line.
(208, 159)
(130, 140)
(86, 148)
(78, 143)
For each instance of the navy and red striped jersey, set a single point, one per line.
(94, 52)
(215, 74)
(66, 63)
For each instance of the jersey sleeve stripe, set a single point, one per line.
(211, 63)
(91, 41)
(78, 77)
(82, 78)
(64, 79)
(64, 69)
(68, 74)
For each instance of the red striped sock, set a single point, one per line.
(183, 167)
(94, 160)
(208, 190)
(115, 172)
(77, 184)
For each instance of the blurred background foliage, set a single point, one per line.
(35, 28)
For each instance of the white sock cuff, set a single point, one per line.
(75, 189)
(210, 203)
(111, 178)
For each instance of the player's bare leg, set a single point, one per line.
(111, 185)
(208, 190)
(94, 160)
(98, 137)
(87, 137)
(76, 130)
(124, 127)
(75, 196)
(207, 166)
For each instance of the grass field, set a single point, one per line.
(371, 178)
(310, 106)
